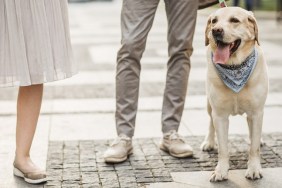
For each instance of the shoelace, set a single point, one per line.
(175, 136)
(120, 139)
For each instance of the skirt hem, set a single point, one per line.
(18, 84)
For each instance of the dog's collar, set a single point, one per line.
(235, 77)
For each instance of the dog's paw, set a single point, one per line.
(219, 175)
(254, 173)
(208, 145)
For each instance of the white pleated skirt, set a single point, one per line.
(35, 44)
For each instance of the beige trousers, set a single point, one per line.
(136, 21)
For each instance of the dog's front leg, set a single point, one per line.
(209, 142)
(254, 170)
(221, 124)
(249, 120)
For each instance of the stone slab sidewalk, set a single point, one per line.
(81, 164)
(236, 179)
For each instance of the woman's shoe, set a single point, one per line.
(31, 177)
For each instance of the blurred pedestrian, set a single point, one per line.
(137, 17)
(34, 48)
(248, 4)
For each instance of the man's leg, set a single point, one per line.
(181, 15)
(181, 25)
(136, 21)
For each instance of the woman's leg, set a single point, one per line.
(28, 109)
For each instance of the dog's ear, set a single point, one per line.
(208, 28)
(253, 22)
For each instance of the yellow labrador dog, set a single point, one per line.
(237, 83)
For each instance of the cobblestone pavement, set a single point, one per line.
(80, 163)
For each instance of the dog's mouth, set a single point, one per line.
(225, 50)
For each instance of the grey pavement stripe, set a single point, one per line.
(87, 91)
(107, 105)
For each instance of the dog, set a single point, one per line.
(237, 83)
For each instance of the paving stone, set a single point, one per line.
(71, 177)
(89, 174)
(127, 179)
(75, 164)
(125, 173)
(53, 183)
(110, 183)
(161, 173)
(55, 178)
(145, 180)
(152, 157)
(88, 169)
(169, 161)
(126, 163)
(177, 169)
(163, 179)
(81, 163)
(87, 162)
(55, 166)
(132, 185)
(71, 184)
(123, 168)
(105, 168)
(193, 165)
(193, 169)
(204, 164)
(90, 180)
(91, 185)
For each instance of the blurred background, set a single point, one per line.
(263, 5)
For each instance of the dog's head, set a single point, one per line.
(229, 30)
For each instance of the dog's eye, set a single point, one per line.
(234, 20)
(214, 20)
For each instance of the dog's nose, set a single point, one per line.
(217, 32)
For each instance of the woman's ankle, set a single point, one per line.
(22, 158)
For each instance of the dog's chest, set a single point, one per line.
(235, 109)
(239, 105)
(225, 101)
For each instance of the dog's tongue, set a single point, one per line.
(221, 55)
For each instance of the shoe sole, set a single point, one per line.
(118, 160)
(179, 155)
(18, 173)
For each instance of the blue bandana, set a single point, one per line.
(235, 77)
